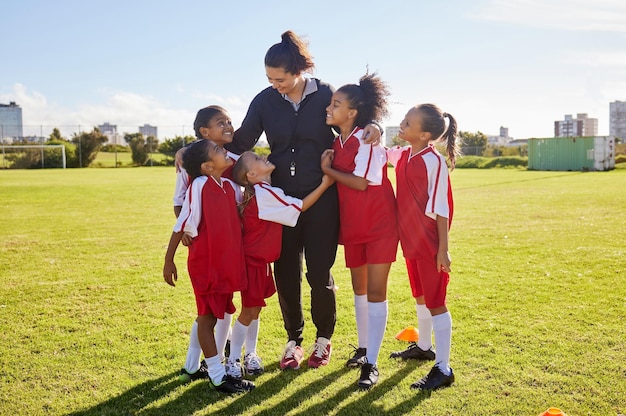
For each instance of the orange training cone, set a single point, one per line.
(553, 411)
(408, 334)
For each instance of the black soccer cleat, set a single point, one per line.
(434, 380)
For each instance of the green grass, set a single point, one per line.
(123, 159)
(106, 160)
(537, 297)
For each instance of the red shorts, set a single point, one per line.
(380, 251)
(260, 286)
(427, 281)
(215, 304)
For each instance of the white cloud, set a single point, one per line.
(578, 15)
(598, 59)
(125, 109)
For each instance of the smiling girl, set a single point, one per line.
(211, 123)
(367, 213)
(216, 261)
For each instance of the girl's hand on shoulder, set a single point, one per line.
(178, 159)
(371, 134)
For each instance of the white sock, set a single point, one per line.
(377, 322)
(442, 325)
(222, 331)
(216, 369)
(252, 336)
(194, 351)
(424, 327)
(237, 339)
(360, 311)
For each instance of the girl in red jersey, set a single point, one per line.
(367, 213)
(264, 210)
(215, 261)
(211, 123)
(425, 207)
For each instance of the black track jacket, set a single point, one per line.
(296, 138)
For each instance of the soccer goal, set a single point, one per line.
(33, 156)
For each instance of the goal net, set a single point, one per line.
(32, 156)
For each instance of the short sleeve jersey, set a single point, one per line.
(370, 214)
(263, 218)
(216, 259)
(423, 192)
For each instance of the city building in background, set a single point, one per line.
(110, 130)
(617, 120)
(148, 130)
(390, 133)
(11, 127)
(581, 126)
(501, 140)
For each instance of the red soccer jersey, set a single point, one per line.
(261, 239)
(263, 218)
(423, 191)
(216, 257)
(366, 215)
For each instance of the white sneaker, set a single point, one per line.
(253, 364)
(234, 368)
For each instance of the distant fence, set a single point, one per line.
(37, 133)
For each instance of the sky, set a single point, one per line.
(521, 64)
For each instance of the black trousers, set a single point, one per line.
(314, 238)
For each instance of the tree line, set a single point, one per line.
(82, 149)
(476, 144)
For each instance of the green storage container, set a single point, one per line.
(572, 153)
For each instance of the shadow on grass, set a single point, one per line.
(367, 403)
(199, 395)
(132, 401)
(293, 401)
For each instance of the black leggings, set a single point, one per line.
(315, 236)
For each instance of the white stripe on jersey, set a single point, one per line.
(275, 206)
(182, 182)
(191, 212)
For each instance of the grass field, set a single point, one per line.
(537, 296)
(123, 159)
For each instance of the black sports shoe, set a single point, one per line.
(358, 359)
(434, 379)
(230, 385)
(414, 352)
(202, 373)
(369, 376)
